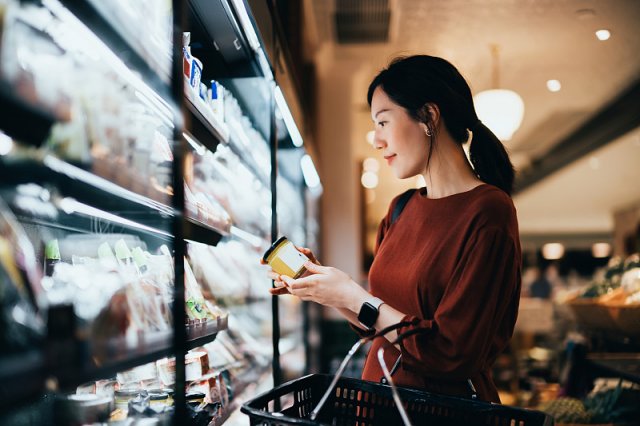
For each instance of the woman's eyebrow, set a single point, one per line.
(380, 112)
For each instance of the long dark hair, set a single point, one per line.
(414, 82)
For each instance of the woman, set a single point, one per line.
(450, 263)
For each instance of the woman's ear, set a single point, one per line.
(433, 112)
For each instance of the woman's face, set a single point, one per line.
(402, 139)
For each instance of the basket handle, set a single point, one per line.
(388, 374)
(347, 358)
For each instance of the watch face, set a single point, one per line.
(368, 315)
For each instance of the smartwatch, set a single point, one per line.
(369, 312)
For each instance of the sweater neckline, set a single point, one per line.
(422, 194)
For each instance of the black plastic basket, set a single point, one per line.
(358, 402)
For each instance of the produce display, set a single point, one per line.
(612, 302)
(616, 405)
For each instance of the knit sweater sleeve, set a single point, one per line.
(382, 229)
(476, 300)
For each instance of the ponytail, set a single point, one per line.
(490, 158)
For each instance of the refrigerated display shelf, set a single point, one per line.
(115, 355)
(204, 126)
(84, 186)
(21, 120)
(244, 388)
(197, 231)
(624, 365)
(110, 36)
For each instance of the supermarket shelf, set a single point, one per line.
(194, 230)
(112, 37)
(245, 388)
(21, 120)
(204, 126)
(214, 22)
(81, 184)
(21, 377)
(623, 365)
(110, 357)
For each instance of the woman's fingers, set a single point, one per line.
(315, 268)
(307, 252)
(273, 275)
(278, 291)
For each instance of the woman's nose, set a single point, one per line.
(378, 143)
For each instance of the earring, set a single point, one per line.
(428, 132)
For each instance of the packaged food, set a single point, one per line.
(285, 259)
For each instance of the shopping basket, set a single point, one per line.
(358, 402)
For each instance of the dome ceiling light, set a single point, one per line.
(501, 110)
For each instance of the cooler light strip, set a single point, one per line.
(296, 137)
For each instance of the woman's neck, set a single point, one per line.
(449, 171)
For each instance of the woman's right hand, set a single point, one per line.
(280, 286)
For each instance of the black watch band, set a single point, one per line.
(369, 312)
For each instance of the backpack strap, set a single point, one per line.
(403, 199)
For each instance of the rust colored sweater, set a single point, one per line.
(452, 265)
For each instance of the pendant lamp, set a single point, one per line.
(501, 110)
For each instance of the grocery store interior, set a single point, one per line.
(151, 152)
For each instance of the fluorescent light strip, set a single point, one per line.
(309, 172)
(264, 64)
(245, 236)
(71, 206)
(246, 25)
(296, 137)
(197, 146)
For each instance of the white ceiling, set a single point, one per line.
(538, 40)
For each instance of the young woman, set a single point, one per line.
(450, 263)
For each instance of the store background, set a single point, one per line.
(576, 154)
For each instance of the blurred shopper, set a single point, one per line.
(541, 287)
(450, 264)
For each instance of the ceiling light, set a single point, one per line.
(370, 136)
(600, 250)
(501, 110)
(369, 180)
(603, 35)
(371, 165)
(552, 251)
(554, 85)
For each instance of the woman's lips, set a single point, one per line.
(389, 158)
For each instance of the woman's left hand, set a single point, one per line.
(327, 286)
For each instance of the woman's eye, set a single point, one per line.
(382, 123)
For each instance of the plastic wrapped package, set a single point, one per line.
(25, 47)
(250, 145)
(116, 294)
(207, 210)
(291, 211)
(20, 324)
(198, 308)
(147, 25)
(223, 177)
(230, 271)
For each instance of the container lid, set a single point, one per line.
(273, 247)
(158, 396)
(194, 396)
